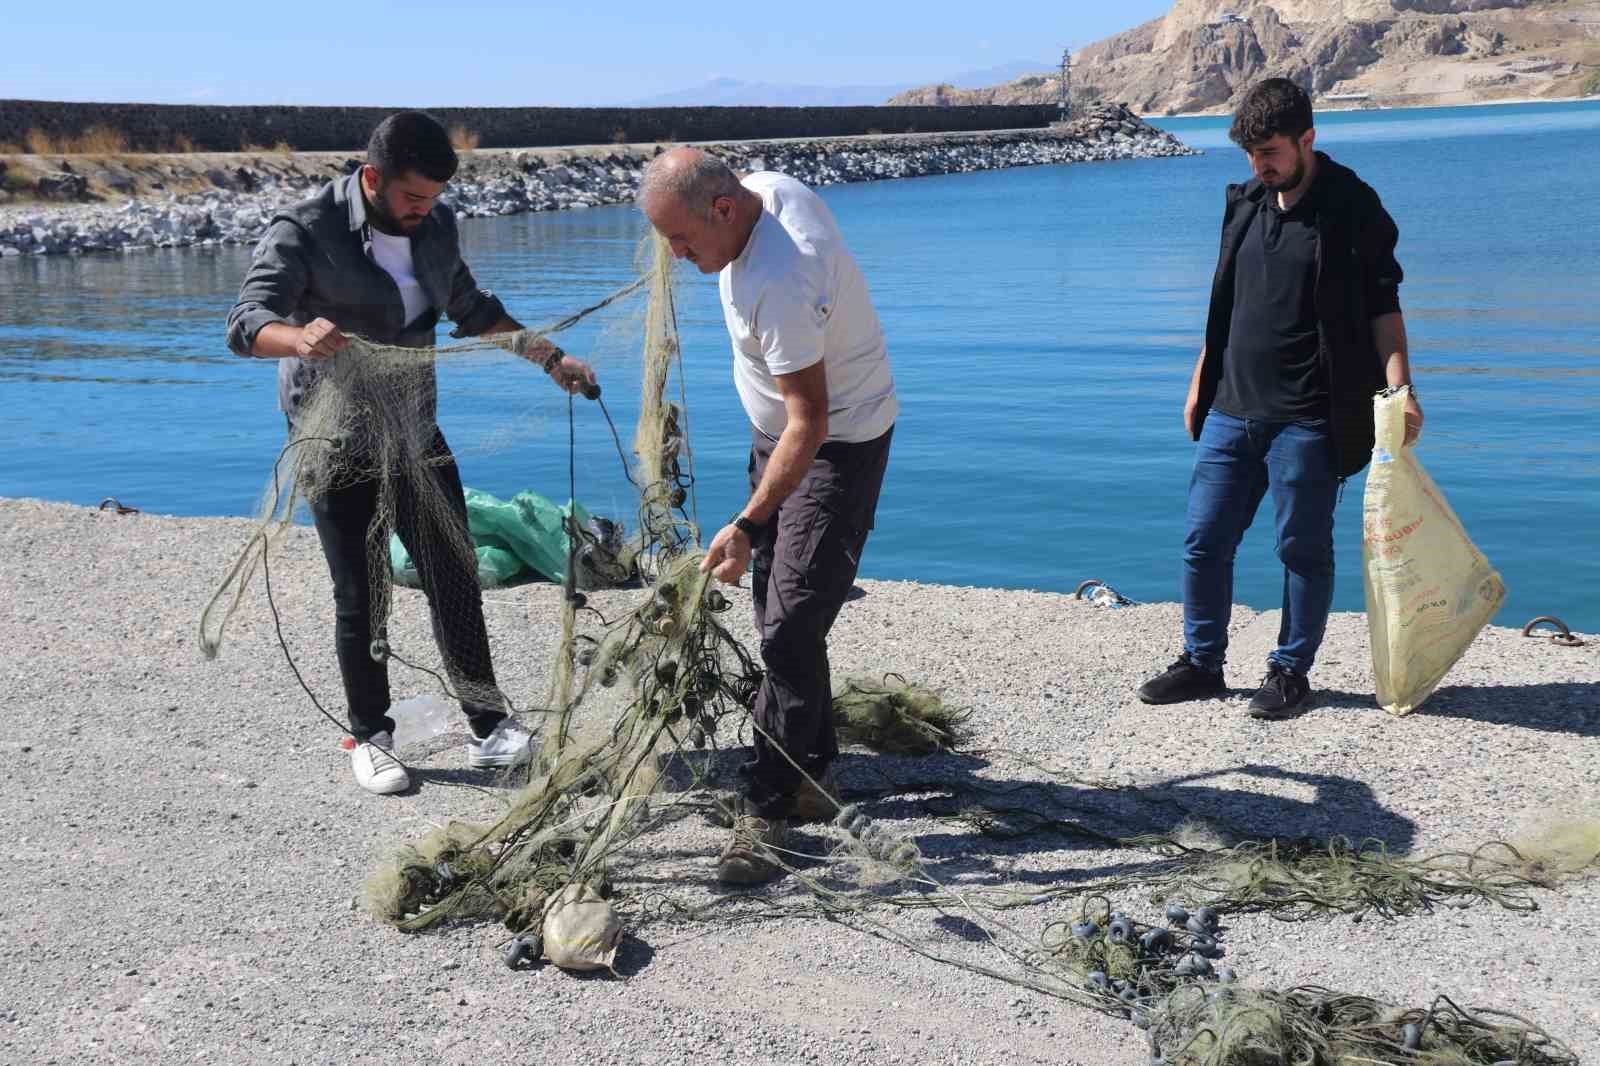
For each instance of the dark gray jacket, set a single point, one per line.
(315, 261)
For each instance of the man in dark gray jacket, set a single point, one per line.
(376, 255)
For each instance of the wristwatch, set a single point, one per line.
(555, 356)
(747, 527)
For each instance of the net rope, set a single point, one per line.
(665, 683)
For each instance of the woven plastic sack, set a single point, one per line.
(581, 931)
(1429, 590)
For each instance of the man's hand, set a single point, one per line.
(1192, 415)
(319, 340)
(729, 555)
(571, 374)
(1413, 419)
(1191, 408)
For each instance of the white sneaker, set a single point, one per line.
(377, 771)
(506, 745)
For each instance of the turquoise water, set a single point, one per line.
(1043, 323)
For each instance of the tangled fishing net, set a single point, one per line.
(630, 695)
(896, 717)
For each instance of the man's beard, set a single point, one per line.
(378, 214)
(1292, 181)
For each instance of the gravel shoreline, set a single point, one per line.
(183, 841)
(238, 194)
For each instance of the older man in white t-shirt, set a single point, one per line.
(813, 375)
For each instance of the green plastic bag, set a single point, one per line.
(522, 537)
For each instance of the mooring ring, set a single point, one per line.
(1563, 636)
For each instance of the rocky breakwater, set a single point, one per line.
(237, 201)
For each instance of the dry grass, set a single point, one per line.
(38, 142)
(281, 148)
(102, 140)
(464, 139)
(1591, 85)
(96, 140)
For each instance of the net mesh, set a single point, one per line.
(629, 695)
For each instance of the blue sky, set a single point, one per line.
(497, 53)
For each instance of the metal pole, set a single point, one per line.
(1066, 84)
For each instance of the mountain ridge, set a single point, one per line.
(733, 92)
(1203, 53)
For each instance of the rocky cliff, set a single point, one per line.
(1203, 53)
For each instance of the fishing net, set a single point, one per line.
(367, 418)
(896, 716)
(1165, 977)
(645, 689)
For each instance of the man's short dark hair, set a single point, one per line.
(1269, 108)
(412, 141)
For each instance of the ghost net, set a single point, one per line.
(631, 694)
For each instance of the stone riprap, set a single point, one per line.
(239, 199)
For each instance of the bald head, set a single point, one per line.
(693, 178)
(698, 205)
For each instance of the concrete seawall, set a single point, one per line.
(158, 127)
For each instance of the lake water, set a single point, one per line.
(1042, 322)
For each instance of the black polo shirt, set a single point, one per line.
(1272, 371)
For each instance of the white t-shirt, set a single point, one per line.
(795, 296)
(394, 255)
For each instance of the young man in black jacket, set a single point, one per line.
(1304, 327)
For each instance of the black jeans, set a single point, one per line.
(803, 567)
(355, 541)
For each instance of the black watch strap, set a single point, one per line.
(747, 527)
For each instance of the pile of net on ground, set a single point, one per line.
(630, 695)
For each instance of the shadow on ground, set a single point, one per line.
(1555, 707)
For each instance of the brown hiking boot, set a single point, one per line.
(817, 802)
(748, 859)
(722, 810)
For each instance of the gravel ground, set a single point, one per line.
(183, 842)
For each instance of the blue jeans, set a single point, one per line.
(1237, 461)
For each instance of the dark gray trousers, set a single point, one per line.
(344, 520)
(804, 565)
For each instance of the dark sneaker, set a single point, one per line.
(1181, 682)
(1281, 692)
(749, 858)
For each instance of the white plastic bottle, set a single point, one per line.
(418, 719)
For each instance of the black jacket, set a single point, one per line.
(1358, 279)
